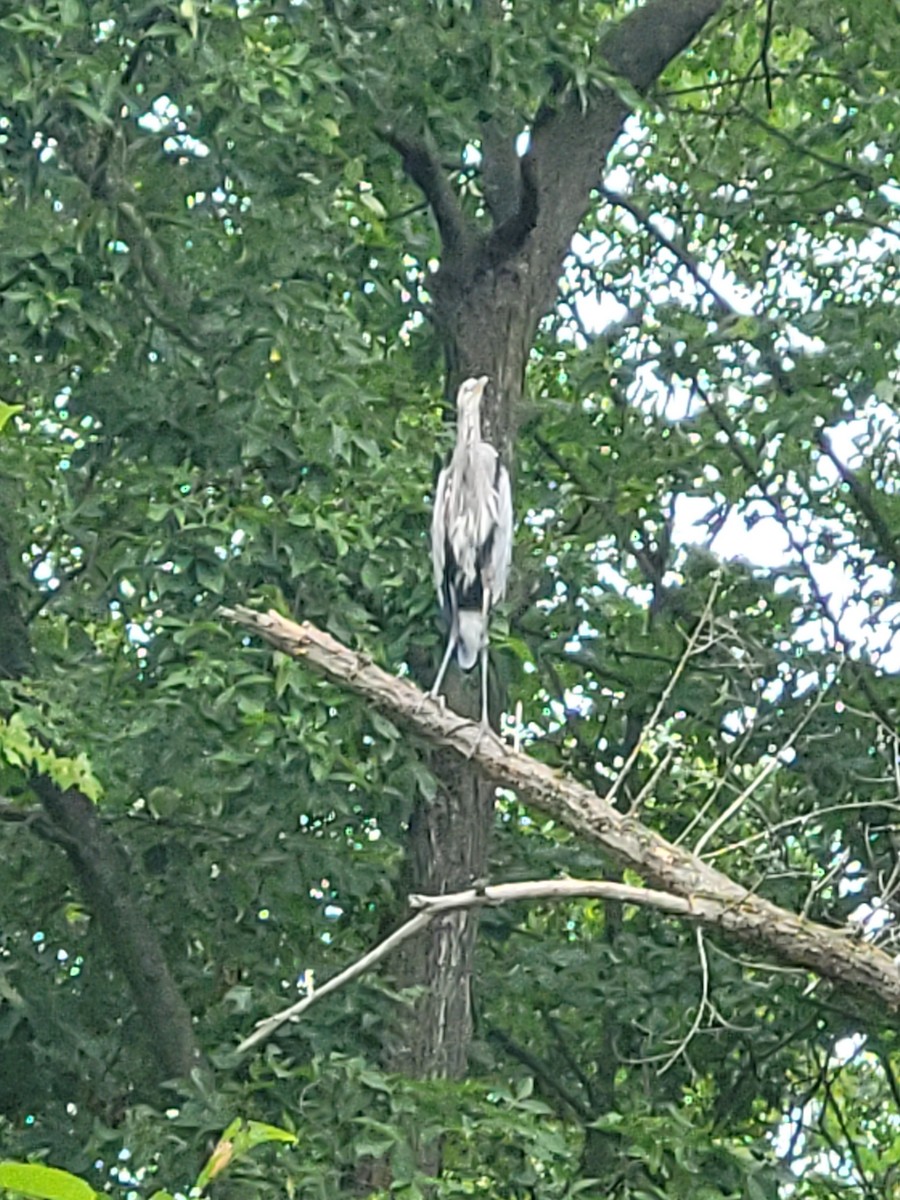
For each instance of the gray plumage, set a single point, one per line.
(471, 537)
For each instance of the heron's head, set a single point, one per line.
(468, 398)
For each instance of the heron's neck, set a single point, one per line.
(469, 431)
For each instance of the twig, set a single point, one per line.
(837, 869)
(772, 765)
(859, 177)
(889, 1074)
(549, 1078)
(16, 814)
(764, 52)
(752, 77)
(573, 1064)
(831, 1101)
(687, 260)
(721, 783)
(655, 775)
(890, 545)
(802, 819)
(667, 692)
(701, 1008)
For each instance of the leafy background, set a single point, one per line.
(226, 387)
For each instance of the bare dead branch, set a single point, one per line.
(705, 893)
(702, 1008)
(771, 766)
(689, 651)
(267, 1027)
(431, 907)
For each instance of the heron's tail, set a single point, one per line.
(472, 636)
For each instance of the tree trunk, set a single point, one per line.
(490, 293)
(487, 331)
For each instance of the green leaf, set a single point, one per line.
(237, 1140)
(70, 12)
(43, 1183)
(7, 411)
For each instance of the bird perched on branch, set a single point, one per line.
(471, 537)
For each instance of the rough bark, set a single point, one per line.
(15, 648)
(106, 881)
(448, 850)
(490, 292)
(105, 878)
(714, 899)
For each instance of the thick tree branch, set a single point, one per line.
(643, 43)
(422, 164)
(487, 305)
(68, 819)
(509, 235)
(714, 899)
(571, 139)
(104, 872)
(501, 171)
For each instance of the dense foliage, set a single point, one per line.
(221, 382)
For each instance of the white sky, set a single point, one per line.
(751, 532)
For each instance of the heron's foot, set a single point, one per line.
(464, 723)
(428, 697)
(484, 731)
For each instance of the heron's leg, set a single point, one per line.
(485, 612)
(484, 726)
(451, 646)
(485, 723)
(485, 720)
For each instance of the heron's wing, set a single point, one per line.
(501, 545)
(439, 532)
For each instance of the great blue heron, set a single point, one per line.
(471, 537)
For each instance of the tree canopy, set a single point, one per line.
(247, 253)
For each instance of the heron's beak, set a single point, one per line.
(477, 386)
(471, 390)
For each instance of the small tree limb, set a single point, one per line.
(696, 888)
(269, 1025)
(431, 907)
